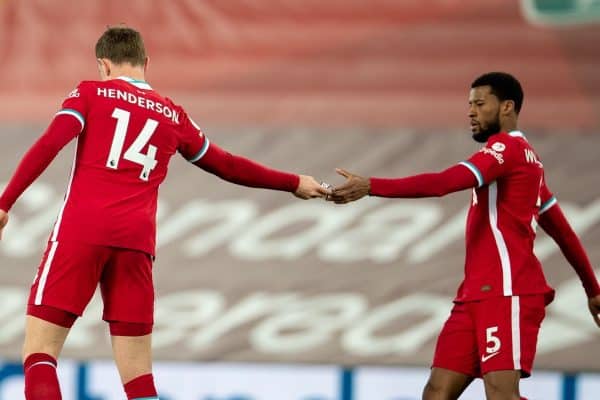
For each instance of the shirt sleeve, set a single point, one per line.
(554, 222)
(451, 180)
(243, 171)
(60, 132)
(193, 144)
(492, 161)
(68, 122)
(547, 199)
(76, 105)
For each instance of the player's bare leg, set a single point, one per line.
(133, 356)
(42, 346)
(444, 384)
(43, 337)
(502, 385)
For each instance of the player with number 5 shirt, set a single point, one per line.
(493, 327)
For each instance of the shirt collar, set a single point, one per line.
(135, 82)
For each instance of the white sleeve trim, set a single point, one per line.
(547, 205)
(74, 113)
(475, 172)
(202, 151)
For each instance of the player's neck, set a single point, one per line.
(129, 72)
(508, 125)
(508, 128)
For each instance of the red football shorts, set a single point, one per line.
(493, 334)
(70, 272)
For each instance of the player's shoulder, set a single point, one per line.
(514, 146)
(172, 103)
(181, 110)
(80, 92)
(82, 86)
(87, 84)
(507, 141)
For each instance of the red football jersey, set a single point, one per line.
(502, 220)
(129, 133)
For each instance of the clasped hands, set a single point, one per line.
(354, 188)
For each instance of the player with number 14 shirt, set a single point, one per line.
(134, 130)
(105, 231)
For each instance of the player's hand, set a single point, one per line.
(310, 188)
(353, 189)
(3, 221)
(594, 306)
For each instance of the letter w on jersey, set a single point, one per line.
(530, 157)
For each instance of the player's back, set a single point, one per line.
(130, 133)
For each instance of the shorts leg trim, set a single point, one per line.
(129, 328)
(44, 274)
(53, 315)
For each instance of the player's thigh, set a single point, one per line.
(67, 277)
(444, 384)
(456, 347)
(128, 292)
(133, 356)
(507, 331)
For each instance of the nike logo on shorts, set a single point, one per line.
(488, 356)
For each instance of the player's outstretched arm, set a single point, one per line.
(554, 222)
(451, 180)
(3, 221)
(62, 130)
(246, 172)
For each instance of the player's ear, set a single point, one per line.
(104, 68)
(146, 61)
(507, 107)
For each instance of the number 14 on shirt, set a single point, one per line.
(134, 152)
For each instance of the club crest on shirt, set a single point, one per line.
(499, 147)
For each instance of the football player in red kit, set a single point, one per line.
(105, 231)
(493, 327)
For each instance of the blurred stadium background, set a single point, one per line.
(262, 296)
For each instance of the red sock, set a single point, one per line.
(141, 387)
(41, 382)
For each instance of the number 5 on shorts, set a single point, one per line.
(493, 343)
